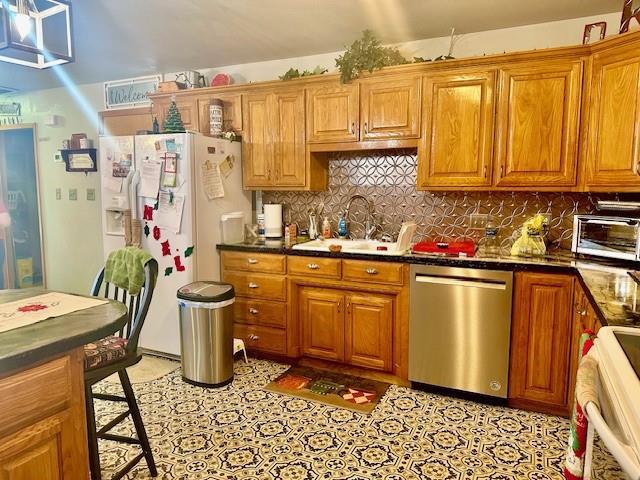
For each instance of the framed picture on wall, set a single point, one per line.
(593, 32)
(81, 160)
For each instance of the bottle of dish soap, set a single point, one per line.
(342, 227)
(326, 228)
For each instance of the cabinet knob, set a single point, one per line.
(253, 311)
(581, 310)
(313, 266)
(252, 261)
(340, 306)
(253, 285)
(353, 128)
(638, 168)
(501, 170)
(371, 271)
(484, 171)
(253, 337)
(366, 128)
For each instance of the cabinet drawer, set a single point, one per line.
(315, 267)
(260, 312)
(254, 262)
(257, 285)
(264, 339)
(374, 272)
(22, 400)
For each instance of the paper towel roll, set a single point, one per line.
(273, 220)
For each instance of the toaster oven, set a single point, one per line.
(607, 236)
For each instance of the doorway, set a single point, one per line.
(21, 259)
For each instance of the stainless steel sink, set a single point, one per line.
(369, 247)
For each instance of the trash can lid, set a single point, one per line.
(205, 291)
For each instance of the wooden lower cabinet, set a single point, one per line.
(369, 330)
(350, 327)
(321, 316)
(540, 342)
(43, 433)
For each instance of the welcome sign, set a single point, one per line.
(131, 92)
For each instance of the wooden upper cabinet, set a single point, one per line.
(257, 144)
(457, 130)
(390, 108)
(537, 125)
(290, 146)
(332, 113)
(613, 160)
(540, 340)
(231, 112)
(321, 314)
(369, 330)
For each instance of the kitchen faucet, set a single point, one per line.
(370, 226)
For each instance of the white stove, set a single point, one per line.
(617, 351)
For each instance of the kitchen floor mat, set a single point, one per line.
(330, 388)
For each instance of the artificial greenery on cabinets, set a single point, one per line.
(367, 54)
(295, 73)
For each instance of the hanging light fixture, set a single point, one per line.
(36, 33)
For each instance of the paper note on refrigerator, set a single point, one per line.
(169, 214)
(113, 184)
(211, 180)
(150, 183)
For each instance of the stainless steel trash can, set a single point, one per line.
(206, 333)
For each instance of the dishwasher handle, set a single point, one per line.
(462, 282)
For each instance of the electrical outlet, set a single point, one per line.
(57, 157)
(91, 194)
(478, 220)
(58, 193)
(73, 194)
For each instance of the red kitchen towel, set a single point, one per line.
(574, 461)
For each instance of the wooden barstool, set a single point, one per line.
(114, 354)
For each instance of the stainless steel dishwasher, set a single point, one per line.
(460, 327)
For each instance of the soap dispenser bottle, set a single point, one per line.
(326, 228)
(342, 227)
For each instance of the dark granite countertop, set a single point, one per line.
(611, 291)
(27, 345)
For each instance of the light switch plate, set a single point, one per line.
(58, 193)
(73, 194)
(91, 194)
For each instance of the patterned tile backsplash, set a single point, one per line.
(389, 178)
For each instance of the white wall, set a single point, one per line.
(528, 37)
(72, 230)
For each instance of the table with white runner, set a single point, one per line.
(41, 307)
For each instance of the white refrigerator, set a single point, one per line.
(166, 233)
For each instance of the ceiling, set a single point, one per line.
(127, 38)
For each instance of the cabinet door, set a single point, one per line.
(457, 134)
(231, 112)
(290, 146)
(537, 125)
(540, 340)
(614, 128)
(257, 145)
(390, 108)
(369, 330)
(321, 313)
(332, 113)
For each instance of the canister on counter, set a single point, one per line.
(216, 117)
